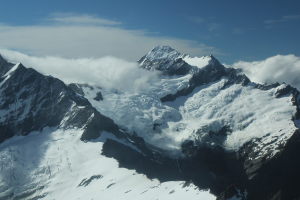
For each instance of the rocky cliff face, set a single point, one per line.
(30, 101)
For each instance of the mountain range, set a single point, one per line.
(199, 130)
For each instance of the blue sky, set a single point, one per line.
(232, 30)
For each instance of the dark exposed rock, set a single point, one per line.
(289, 90)
(232, 193)
(98, 97)
(76, 88)
(189, 148)
(85, 182)
(266, 86)
(4, 66)
(110, 185)
(98, 124)
(235, 76)
(285, 91)
(212, 138)
(177, 67)
(279, 177)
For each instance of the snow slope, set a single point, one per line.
(249, 112)
(56, 164)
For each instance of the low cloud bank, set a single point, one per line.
(107, 72)
(115, 73)
(279, 68)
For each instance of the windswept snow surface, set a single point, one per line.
(56, 164)
(250, 113)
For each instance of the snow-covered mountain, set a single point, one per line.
(199, 131)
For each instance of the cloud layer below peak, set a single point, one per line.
(279, 68)
(107, 72)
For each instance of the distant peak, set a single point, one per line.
(213, 60)
(162, 52)
(164, 48)
(212, 57)
(166, 54)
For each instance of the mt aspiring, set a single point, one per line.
(199, 130)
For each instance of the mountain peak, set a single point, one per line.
(165, 59)
(165, 48)
(162, 52)
(213, 60)
(170, 61)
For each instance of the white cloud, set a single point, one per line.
(69, 18)
(107, 72)
(77, 36)
(280, 68)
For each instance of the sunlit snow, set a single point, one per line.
(197, 61)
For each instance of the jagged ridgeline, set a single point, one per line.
(199, 131)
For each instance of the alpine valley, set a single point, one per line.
(200, 130)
